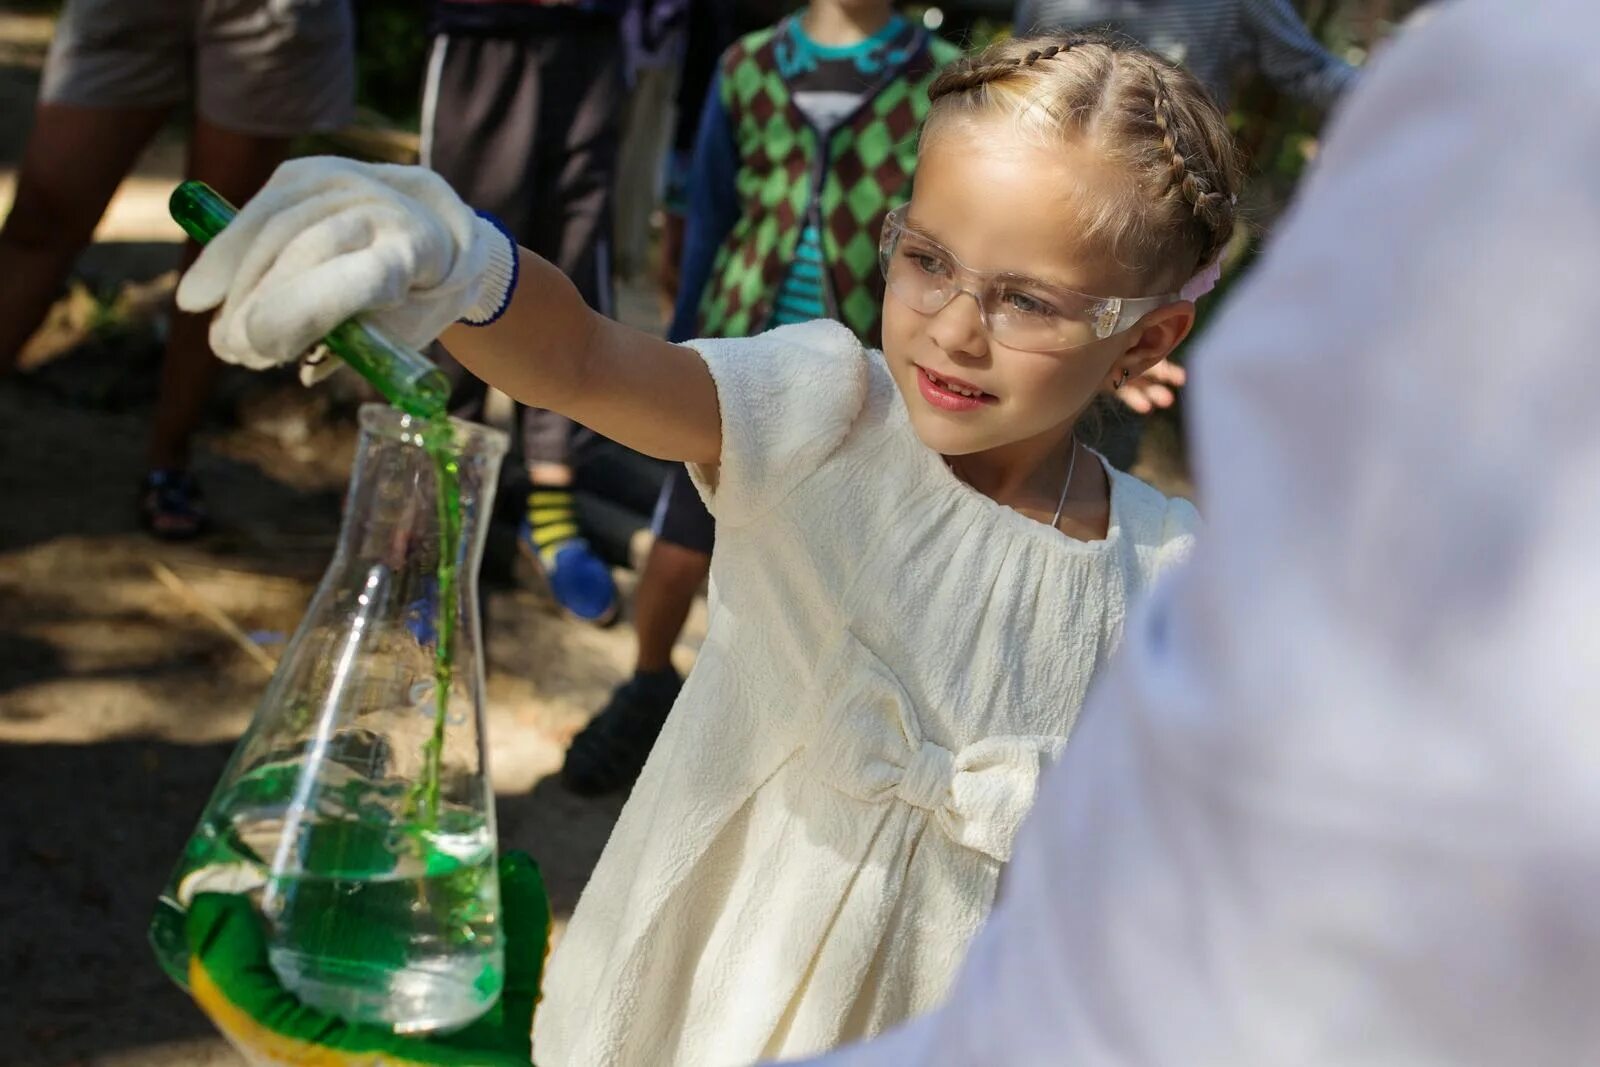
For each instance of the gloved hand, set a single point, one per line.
(233, 983)
(328, 239)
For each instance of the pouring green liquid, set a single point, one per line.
(408, 381)
(380, 889)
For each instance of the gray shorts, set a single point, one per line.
(275, 68)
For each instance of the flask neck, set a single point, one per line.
(421, 493)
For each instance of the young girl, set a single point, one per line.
(920, 569)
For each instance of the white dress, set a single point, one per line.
(891, 659)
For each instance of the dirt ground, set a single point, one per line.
(120, 695)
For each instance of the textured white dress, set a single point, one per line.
(891, 659)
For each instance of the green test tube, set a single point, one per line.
(405, 378)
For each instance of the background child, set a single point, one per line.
(919, 570)
(253, 76)
(837, 80)
(522, 114)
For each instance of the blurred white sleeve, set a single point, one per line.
(1338, 802)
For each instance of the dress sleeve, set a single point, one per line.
(788, 398)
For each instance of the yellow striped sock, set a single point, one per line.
(552, 522)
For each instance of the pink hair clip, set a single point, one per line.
(1203, 282)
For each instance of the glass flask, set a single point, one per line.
(357, 809)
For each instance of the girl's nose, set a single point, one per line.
(958, 327)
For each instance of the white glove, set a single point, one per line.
(328, 239)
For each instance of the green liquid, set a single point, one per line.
(378, 920)
(439, 439)
(413, 945)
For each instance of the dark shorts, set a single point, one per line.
(527, 128)
(681, 516)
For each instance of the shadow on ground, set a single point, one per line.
(88, 845)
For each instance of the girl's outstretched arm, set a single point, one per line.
(548, 349)
(330, 239)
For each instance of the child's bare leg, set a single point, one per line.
(671, 578)
(236, 165)
(74, 160)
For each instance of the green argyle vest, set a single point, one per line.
(864, 170)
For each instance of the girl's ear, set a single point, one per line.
(1153, 338)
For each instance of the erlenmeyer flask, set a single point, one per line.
(357, 808)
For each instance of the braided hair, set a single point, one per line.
(1141, 111)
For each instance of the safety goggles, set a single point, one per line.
(1017, 311)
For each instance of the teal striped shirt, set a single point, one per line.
(800, 297)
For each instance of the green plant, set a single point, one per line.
(391, 51)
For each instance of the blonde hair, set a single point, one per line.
(1146, 115)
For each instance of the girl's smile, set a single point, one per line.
(949, 393)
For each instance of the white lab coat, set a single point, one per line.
(1338, 802)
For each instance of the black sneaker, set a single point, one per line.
(608, 754)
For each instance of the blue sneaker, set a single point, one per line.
(579, 580)
(421, 615)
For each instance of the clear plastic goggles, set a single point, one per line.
(1017, 311)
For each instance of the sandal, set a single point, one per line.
(610, 752)
(171, 505)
